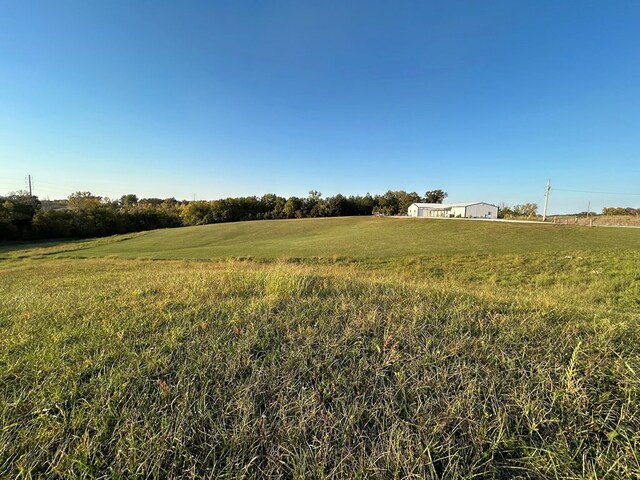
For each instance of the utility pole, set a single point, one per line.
(30, 192)
(546, 199)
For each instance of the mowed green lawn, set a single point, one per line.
(358, 238)
(440, 349)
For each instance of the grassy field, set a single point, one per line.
(350, 348)
(351, 238)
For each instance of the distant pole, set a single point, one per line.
(30, 192)
(546, 199)
(588, 208)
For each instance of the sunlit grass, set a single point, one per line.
(360, 238)
(456, 366)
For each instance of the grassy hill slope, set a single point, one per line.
(360, 238)
(441, 363)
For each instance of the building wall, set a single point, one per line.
(458, 211)
(482, 210)
(430, 212)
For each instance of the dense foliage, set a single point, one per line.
(16, 214)
(525, 210)
(85, 215)
(621, 211)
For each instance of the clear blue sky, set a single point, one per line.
(485, 99)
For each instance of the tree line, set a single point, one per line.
(524, 210)
(84, 215)
(621, 211)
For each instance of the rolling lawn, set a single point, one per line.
(323, 348)
(356, 238)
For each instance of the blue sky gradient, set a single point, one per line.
(483, 99)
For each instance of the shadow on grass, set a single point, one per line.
(12, 246)
(58, 246)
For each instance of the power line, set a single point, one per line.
(590, 191)
(549, 190)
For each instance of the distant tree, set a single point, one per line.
(364, 205)
(129, 200)
(320, 209)
(272, 206)
(504, 210)
(405, 200)
(16, 214)
(525, 210)
(197, 213)
(311, 207)
(388, 204)
(336, 206)
(83, 201)
(59, 223)
(8, 230)
(620, 211)
(435, 196)
(155, 201)
(293, 207)
(268, 201)
(278, 211)
(170, 202)
(315, 195)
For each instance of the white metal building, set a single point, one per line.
(453, 210)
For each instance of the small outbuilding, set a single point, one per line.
(453, 210)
